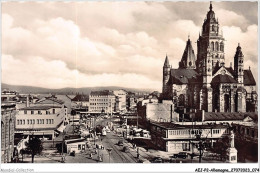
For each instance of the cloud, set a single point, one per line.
(36, 71)
(110, 43)
(230, 18)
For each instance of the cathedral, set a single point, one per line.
(204, 81)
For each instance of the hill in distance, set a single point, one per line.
(85, 90)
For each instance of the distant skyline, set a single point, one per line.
(87, 44)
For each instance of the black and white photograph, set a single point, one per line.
(114, 83)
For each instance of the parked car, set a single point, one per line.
(157, 160)
(120, 142)
(126, 149)
(183, 155)
(72, 153)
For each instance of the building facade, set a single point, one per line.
(120, 100)
(8, 113)
(44, 119)
(204, 82)
(177, 138)
(102, 102)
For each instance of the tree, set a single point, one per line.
(221, 147)
(34, 146)
(59, 148)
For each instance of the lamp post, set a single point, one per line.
(109, 152)
(63, 135)
(98, 148)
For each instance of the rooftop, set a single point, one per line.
(169, 126)
(102, 93)
(43, 107)
(80, 98)
(229, 116)
(223, 79)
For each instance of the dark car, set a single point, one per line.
(72, 153)
(157, 160)
(126, 149)
(120, 143)
(183, 155)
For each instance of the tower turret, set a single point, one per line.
(166, 74)
(211, 36)
(239, 65)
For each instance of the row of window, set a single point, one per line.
(99, 104)
(245, 131)
(187, 132)
(33, 121)
(40, 112)
(216, 46)
(99, 108)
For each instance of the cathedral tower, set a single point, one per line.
(212, 37)
(239, 65)
(166, 74)
(188, 58)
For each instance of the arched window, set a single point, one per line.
(212, 46)
(216, 46)
(181, 100)
(221, 46)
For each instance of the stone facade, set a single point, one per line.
(210, 85)
(8, 113)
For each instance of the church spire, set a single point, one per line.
(166, 62)
(210, 6)
(188, 58)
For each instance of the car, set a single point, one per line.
(72, 153)
(157, 160)
(120, 143)
(183, 155)
(126, 149)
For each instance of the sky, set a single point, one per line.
(88, 44)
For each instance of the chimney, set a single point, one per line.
(27, 101)
(203, 115)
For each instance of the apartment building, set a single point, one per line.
(102, 102)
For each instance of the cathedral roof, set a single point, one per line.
(223, 79)
(184, 76)
(249, 78)
(188, 57)
(228, 116)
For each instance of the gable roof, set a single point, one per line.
(249, 78)
(183, 76)
(80, 98)
(103, 93)
(223, 79)
(229, 116)
(49, 100)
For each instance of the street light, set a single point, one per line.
(63, 135)
(109, 152)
